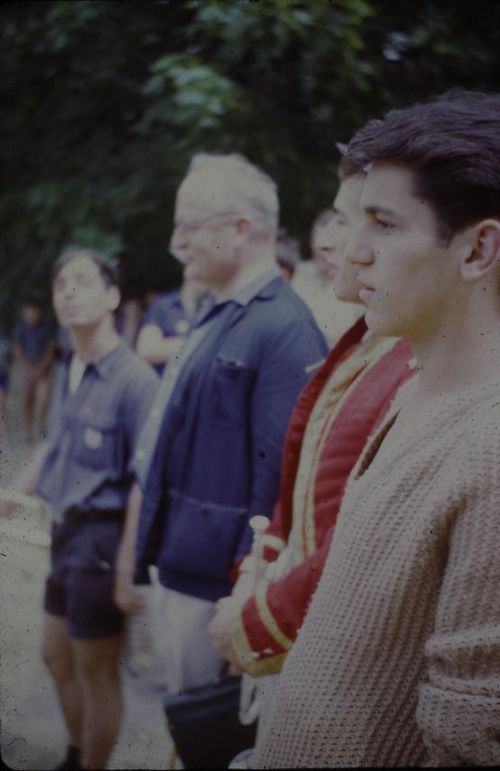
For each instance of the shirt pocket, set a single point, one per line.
(230, 393)
(96, 445)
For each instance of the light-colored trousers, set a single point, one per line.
(182, 641)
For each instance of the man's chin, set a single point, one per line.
(192, 273)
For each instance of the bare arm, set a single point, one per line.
(125, 596)
(154, 348)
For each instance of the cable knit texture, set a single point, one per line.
(398, 661)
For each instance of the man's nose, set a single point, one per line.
(356, 251)
(362, 256)
(68, 290)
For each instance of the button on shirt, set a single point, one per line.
(93, 433)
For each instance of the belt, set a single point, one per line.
(93, 515)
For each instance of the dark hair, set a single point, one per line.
(322, 219)
(452, 144)
(355, 157)
(107, 268)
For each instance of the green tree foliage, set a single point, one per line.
(104, 103)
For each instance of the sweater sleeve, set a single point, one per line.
(459, 701)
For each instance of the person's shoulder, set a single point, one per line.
(134, 371)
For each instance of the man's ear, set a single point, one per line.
(483, 251)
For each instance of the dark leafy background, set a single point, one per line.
(103, 103)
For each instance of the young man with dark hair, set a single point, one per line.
(82, 472)
(314, 282)
(398, 659)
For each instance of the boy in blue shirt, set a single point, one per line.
(82, 472)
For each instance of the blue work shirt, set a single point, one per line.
(210, 459)
(93, 433)
(33, 339)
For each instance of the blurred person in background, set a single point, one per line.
(82, 471)
(4, 390)
(314, 282)
(167, 322)
(337, 410)
(209, 457)
(34, 349)
(287, 254)
(128, 320)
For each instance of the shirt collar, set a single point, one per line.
(251, 283)
(104, 364)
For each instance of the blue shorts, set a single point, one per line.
(4, 381)
(80, 584)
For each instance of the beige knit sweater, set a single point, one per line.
(398, 661)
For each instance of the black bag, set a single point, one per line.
(203, 723)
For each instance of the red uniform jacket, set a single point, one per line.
(271, 619)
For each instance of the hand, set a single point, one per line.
(220, 628)
(126, 596)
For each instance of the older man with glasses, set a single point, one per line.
(211, 451)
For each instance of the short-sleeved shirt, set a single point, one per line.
(33, 339)
(168, 313)
(93, 433)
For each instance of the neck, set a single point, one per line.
(249, 269)
(94, 341)
(464, 354)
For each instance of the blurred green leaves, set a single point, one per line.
(104, 104)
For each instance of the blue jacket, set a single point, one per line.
(217, 458)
